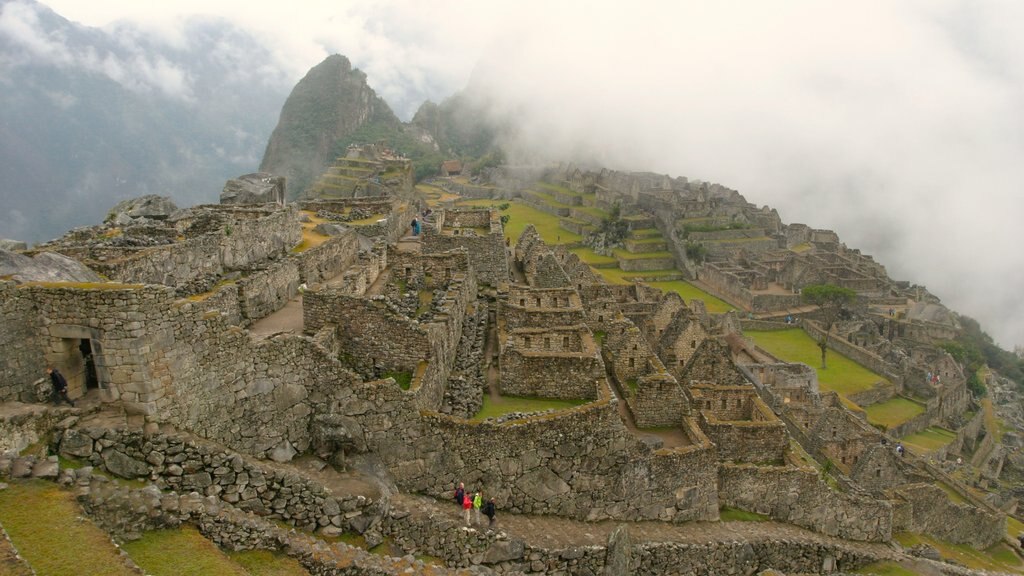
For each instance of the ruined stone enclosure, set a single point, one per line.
(387, 351)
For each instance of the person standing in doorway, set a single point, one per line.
(60, 387)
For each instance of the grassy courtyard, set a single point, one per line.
(894, 411)
(843, 375)
(929, 439)
(690, 292)
(520, 215)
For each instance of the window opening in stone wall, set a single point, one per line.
(600, 318)
(522, 302)
(547, 343)
(526, 341)
(693, 343)
(538, 302)
(565, 342)
(724, 406)
(632, 362)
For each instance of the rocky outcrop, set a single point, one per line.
(256, 188)
(331, 102)
(6, 244)
(148, 206)
(44, 267)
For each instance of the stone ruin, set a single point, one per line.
(389, 346)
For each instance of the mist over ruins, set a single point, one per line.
(630, 364)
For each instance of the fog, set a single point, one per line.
(897, 124)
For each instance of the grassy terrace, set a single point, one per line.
(690, 292)
(929, 439)
(843, 375)
(894, 411)
(626, 255)
(997, 558)
(47, 528)
(507, 404)
(521, 215)
(618, 276)
(592, 258)
(180, 551)
(549, 199)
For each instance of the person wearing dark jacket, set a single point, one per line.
(60, 387)
(489, 512)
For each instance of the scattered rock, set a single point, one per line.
(148, 206)
(256, 188)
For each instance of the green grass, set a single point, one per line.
(48, 529)
(893, 412)
(842, 375)
(591, 258)
(267, 563)
(929, 439)
(505, 404)
(183, 551)
(885, 569)
(689, 292)
(404, 379)
(619, 276)
(625, 255)
(727, 514)
(521, 215)
(1014, 527)
(997, 557)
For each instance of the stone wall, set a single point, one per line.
(185, 465)
(659, 401)
(926, 509)
(23, 425)
(487, 254)
(21, 346)
(266, 291)
(224, 301)
(329, 259)
(184, 263)
(760, 439)
(371, 333)
(799, 496)
(563, 375)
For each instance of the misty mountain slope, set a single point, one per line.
(90, 117)
(330, 105)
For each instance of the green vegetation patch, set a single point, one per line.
(893, 412)
(885, 569)
(404, 379)
(619, 276)
(521, 215)
(625, 255)
(929, 439)
(267, 563)
(689, 292)
(997, 558)
(727, 514)
(507, 404)
(591, 258)
(183, 551)
(843, 375)
(48, 529)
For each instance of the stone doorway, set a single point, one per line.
(76, 351)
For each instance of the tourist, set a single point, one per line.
(467, 505)
(478, 501)
(489, 512)
(415, 227)
(60, 387)
(899, 449)
(460, 492)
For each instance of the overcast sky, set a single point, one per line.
(898, 124)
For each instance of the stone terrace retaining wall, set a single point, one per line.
(926, 509)
(798, 496)
(563, 375)
(758, 440)
(579, 463)
(859, 355)
(185, 465)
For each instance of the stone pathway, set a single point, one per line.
(557, 533)
(287, 319)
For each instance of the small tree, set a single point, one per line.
(830, 300)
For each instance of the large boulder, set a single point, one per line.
(44, 267)
(256, 188)
(149, 206)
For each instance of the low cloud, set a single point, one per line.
(898, 124)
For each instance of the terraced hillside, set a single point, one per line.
(563, 216)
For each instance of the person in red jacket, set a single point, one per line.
(467, 505)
